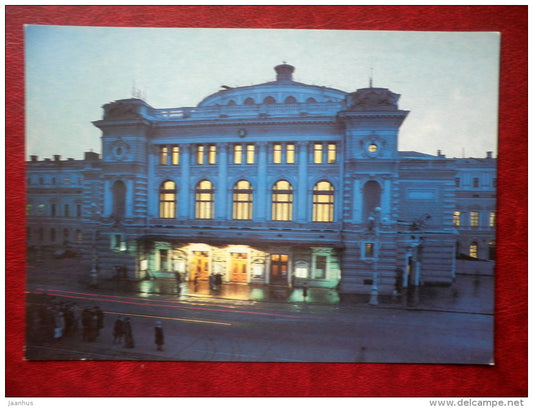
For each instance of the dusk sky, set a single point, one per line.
(448, 81)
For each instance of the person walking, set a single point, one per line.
(118, 331)
(128, 334)
(159, 336)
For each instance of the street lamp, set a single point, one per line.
(375, 221)
(93, 281)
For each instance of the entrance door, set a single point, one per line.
(279, 268)
(163, 260)
(200, 265)
(239, 267)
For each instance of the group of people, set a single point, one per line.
(122, 332)
(215, 281)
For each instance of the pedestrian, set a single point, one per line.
(128, 334)
(305, 290)
(218, 280)
(159, 336)
(118, 331)
(212, 281)
(178, 281)
(99, 320)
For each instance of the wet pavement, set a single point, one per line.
(469, 293)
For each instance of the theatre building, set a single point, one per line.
(278, 183)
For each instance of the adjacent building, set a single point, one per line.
(278, 183)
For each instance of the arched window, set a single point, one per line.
(310, 100)
(167, 200)
(473, 249)
(231, 103)
(371, 198)
(269, 100)
(282, 201)
(119, 200)
(242, 200)
(249, 101)
(205, 200)
(290, 99)
(323, 201)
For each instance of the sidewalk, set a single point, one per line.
(469, 294)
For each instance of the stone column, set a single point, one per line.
(185, 188)
(303, 199)
(221, 191)
(260, 210)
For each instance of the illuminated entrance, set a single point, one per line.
(279, 268)
(239, 267)
(200, 265)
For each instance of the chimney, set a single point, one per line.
(34, 158)
(489, 155)
(57, 157)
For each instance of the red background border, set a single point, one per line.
(507, 378)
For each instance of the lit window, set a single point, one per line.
(474, 218)
(212, 159)
(242, 200)
(205, 198)
(237, 154)
(473, 249)
(457, 218)
(163, 155)
(40, 209)
(282, 201)
(175, 155)
(372, 148)
(492, 219)
(332, 153)
(369, 250)
(250, 154)
(290, 153)
(28, 209)
(317, 153)
(67, 180)
(277, 153)
(323, 199)
(200, 150)
(167, 200)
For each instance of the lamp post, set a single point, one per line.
(375, 219)
(93, 281)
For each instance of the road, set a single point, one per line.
(230, 330)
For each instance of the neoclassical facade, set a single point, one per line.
(278, 183)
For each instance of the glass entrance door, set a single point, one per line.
(239, 267)
(200, 265)
(279, 268)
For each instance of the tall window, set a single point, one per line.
(290, 153)
(332, 153)
(323, 200)
(242, 200)
(492, 219)
(282, 201)
(492, 250)
(212, 157)
(277, 153)
(119, 199)
(250, 154)
(175, 155)
(474, 218)
(66, 210)
(167, 200)
(475, 182)
(317, 153)
(205, 200)
(457, 218)
(473, 249)
(237, 154)
(371, 198)
(200, 154)
(163, 155)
